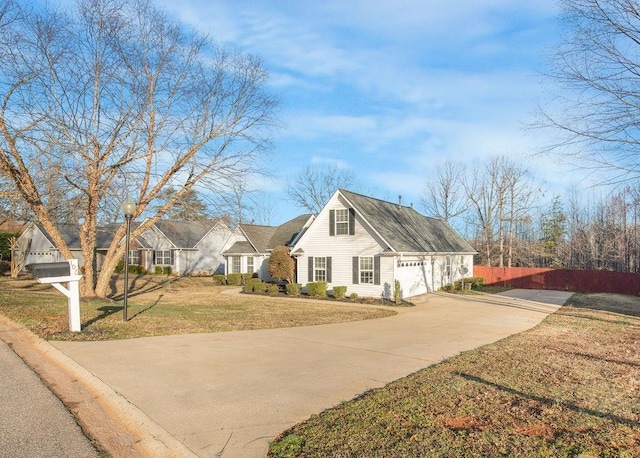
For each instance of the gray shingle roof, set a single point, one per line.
(69, 233)
(241, 247)
(265, 238)
(185, 234)
(406, 230)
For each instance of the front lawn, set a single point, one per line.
(567, 388)
(166, 305)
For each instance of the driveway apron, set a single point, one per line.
(229, 394)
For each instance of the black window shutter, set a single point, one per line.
(328, 269)
(352, 221)
(310, 273)
(332, 223)
(154, 257)
(171, 257)
(376, 270)
(356, 277)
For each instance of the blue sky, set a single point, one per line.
(387, 90)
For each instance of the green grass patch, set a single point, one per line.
(567, 388)
(166, 305)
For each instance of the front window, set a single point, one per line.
(366, 270)
(163, 257)
(250, 268)
(134, 257)
(319, 269)
(235, 264)
(448, 268)
(342, 222)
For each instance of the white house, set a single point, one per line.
(249, 249)
(367, 244)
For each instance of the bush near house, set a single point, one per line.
(219, 279)
(476, 282)
(234, 279)
(317, 289)
(254, 285)
(272, 288)
(339, 292)
(281, 264)
(133, 268)
(163, 270)
(293, 289)
(5, 266)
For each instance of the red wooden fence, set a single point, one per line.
(582, 281)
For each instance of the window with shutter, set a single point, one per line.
(332, 223)
(376, 270)
(319, 269)
(342, 222)
(366, 270)
(355, 270)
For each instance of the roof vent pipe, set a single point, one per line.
(399, 202)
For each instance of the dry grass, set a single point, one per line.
(568, 387)
(167, 305)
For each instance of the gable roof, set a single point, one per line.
(185, 234)
(261, 239)
(70, 233)
(182, 234)
(406, 230)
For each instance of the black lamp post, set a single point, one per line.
(129, 208)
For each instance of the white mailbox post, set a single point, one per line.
(56, 273)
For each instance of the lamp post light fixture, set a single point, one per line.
(129, 209)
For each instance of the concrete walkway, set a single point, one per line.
(229, 394)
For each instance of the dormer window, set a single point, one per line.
(342, 221)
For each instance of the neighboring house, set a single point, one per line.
(42, 247)
(367, 244)
(249, 249)
(188, 247)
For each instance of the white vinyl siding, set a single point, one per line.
(415, 272)
(320, 241)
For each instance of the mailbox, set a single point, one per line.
(51, 270)
(56, 273)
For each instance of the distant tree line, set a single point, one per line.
(504, 214)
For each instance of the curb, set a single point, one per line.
(106, 417)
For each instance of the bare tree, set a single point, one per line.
(598, 71)
(481, 191)
(444, 196)
(500, 195)
(312, 189)
(113, 91)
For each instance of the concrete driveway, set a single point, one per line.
(229, 394)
